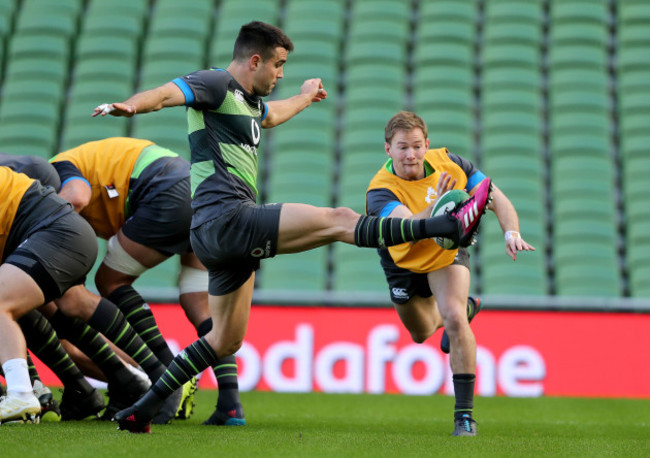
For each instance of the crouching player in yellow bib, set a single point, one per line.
(136, 195)
(429, 286)
(46, 248)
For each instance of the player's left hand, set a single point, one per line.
(515, 243)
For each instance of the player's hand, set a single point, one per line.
(445, 183)
(114, 109)
(314, 88)
(515, 243)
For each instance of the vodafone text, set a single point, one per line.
(381, 365)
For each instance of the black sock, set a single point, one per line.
(33, 375)
(108, 320)
(138, 313)
(92, 344)
(45, 344)
(188, 363)
(464, 391)
(377, 232)
(225, 371)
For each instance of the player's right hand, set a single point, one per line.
(114, 109)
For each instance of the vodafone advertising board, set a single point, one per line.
(357, 350)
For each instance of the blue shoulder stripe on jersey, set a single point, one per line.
(390, 206)
(475, 179)
(266, 110)
(187, 91)
(75, 178)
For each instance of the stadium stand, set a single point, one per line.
(549, 97)
(301, 166)
(511, 138)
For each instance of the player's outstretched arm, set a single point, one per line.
(509, 222)
(283, 110)
(167, 95)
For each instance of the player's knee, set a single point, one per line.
(344, 220)
(222, 345)
(419, 337)
(345, 214)
(455, 323)
(233, 347)
(8, 312)
(118, 268)
(74, 309)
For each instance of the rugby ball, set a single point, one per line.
(446, 203)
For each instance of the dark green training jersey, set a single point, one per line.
(224, 125)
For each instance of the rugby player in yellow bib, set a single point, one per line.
(135, 194)
(45, 249)
(429, 285)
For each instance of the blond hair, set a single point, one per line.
(405, 121)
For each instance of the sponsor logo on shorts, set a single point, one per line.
(400, 293)
(262, 252)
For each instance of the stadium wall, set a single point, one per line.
(366, 350)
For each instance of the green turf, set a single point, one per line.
(359, 426)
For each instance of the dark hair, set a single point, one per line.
(406, 121)
(259, 38)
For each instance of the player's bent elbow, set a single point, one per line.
(78, 202)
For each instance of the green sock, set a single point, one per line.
(225, 370)
(45, 344)
(33, 374)
(378, 232)
(138, 313)
(188, 363)
(464, 392)
(92, 344)
(108, 320)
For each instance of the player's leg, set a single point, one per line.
(158, 229)
(413, 301)
(304, 227)
(229, 314)
(97, 358)
(103, 316)
(450, 286)
(125, 261)
(473, 303)
(80, 400)
(420, 317)
(473, 307)
(50, 410)
(91, 352)
(34, 272)
(193, 286)
(19, 293)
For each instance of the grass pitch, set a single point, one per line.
(316, 424)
